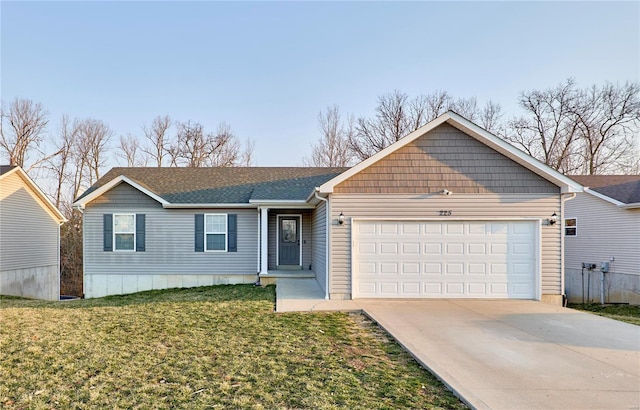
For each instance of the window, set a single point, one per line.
(124, 232)
(215, 232)
(570, 227)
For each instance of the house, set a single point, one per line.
(602, 230)
(29, 238)
(448, 211)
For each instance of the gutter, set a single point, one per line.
(326, 241)
(563, 199)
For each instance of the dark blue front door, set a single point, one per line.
(289, 240)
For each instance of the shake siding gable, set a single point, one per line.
(446, 158)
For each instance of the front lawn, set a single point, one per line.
(213, 347)
(624, 313)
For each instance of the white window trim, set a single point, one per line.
(575, 226)
(226, 233)
(126, 233)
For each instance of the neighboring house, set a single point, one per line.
(29, 238)
(448, 211)
(602, 225)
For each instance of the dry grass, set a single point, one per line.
(623, 313)
(203, 348)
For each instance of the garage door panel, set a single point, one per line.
(411, 248)
(434, 259)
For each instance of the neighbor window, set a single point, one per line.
(124, 232)
(570, 227)
(215, 232)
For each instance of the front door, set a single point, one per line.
(289, 241)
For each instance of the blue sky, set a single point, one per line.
(268, 68)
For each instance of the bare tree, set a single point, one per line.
(96, 135)
(59, 165)
(157, 148)
(129, 147)
(587, 131)
(390, 123)
(246, 157)
(608, 119)
(549, 130)
(22, 125)
(398, 115)
(333, 148)
(193, 147)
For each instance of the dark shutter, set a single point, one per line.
(140, 232)
(199, 239)
(107, 232)
(232, 233)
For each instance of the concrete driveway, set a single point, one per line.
(518, 354)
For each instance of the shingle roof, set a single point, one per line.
(623, 188)
(224, 185)
(6, 168)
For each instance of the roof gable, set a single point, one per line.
(7, 171)
(215, 186)
(446, 158)
(474, 131)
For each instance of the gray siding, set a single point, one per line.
(319, 242)
(604, 231)
(169, 240)
(307, 238)
(490, 206)
(446, 158)
(28, 233)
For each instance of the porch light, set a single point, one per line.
(553, 219)
(341, 218)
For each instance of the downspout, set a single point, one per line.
(563, 199)
(326, 241)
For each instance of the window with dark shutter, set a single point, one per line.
(107, 232)
(199, 233)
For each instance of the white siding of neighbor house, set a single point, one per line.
(319, 242)
(170, 255)
(463, 206)
(29, 243)
(603, 231)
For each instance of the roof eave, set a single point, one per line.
(605, 197)
(206, 205)
(84, 200)
(59, 217)
(635, 205)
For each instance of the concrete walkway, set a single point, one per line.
(504, 354)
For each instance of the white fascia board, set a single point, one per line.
(217, 205)
(112, 184)
(278, 204)
(635, 205)
(565, 183)
(36, 189)
(604, 197)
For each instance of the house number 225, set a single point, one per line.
(446, 212)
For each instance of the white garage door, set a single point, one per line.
(418, 259)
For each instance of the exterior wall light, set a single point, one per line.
(341, 218)
(553, 219)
